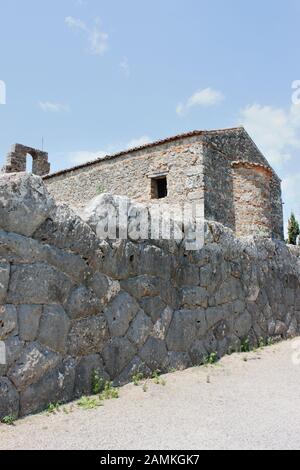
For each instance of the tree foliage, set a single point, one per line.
(293, 230)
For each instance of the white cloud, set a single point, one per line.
(275, 130)
(203, 98)
(291, 196)
(125, 67)
(138, 142)
(49, 107)
(97, 39)
(83, 156)
(75, 23)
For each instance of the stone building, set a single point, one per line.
(223, 170)
(16, 160)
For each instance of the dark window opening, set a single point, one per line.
(159, 188)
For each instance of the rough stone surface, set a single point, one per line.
(117, 354)
(136, 367)
(9, 399)
(13, 349)
(153, 306)
(178, 361)
(16, 160)
(54, 328)
(4, 280)
(87, 336)
(120, 313)
(37, 284)
(8, 321)
(154, 353)
(29, 320)
(83, 303)
(186, 326)
(33, 363)
(72, 303)
(56, 386)
(140, 329)
(84, 374)
(222, 170)
(24, 203)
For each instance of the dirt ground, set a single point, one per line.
(246, 401)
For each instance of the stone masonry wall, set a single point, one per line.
(252, 200)
(71, 304)
(16, 160)
(233, 146)
(131, 175)
(197, 167)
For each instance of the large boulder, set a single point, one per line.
(128, 219)
(33, 363)
(37, 284)
(88, 336)
(119, 213)
(120, 312)
(24, 203)
(55, 386)
(9, 399)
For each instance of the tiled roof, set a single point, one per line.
(143, 147)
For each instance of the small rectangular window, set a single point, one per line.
(159, 188)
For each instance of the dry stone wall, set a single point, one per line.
(71, 304)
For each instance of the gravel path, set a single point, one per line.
(247, 401)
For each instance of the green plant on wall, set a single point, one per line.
(100, 189)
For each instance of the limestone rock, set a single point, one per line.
(198, 353)
(120, 312)
(37, 284)
(229, 291)
(54, 328)
(33, 363)
(161, 327)
(65, 230)
(140, 329)
(141, 286)
(153, 306)
(29, 320)
(280, 329)
(4, 280)
(102, 287)
(136, 367)
(154, 353)
(87, 336)
(243, 325)
(19, 249)
(117, 354)
(186, 327)
(83, 303)
(106, 209)
(194, 297)
(187, 275)
(8, 321)
(24, 203)
(84, 374)
(56, 386)
(13, 349)
(178, 361)
(9, 399)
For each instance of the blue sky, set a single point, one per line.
(96, 76)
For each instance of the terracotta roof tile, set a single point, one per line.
(143, 147)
